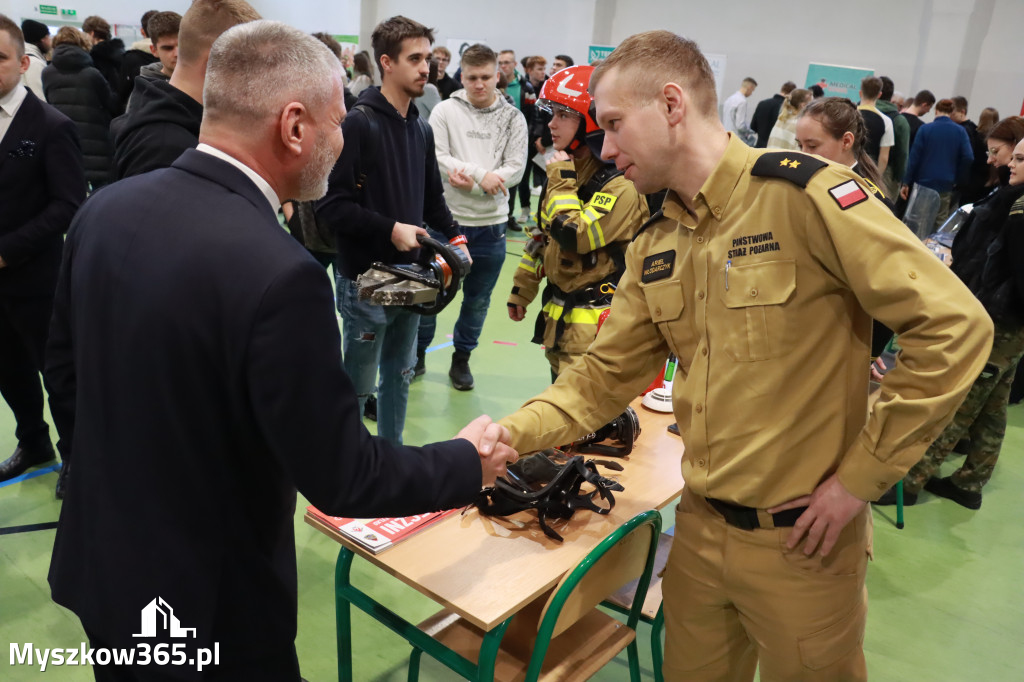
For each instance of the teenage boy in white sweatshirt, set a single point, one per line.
(479, 139)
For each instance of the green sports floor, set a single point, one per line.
(946, 593)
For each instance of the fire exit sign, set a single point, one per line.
(68, 12)
(48, 9)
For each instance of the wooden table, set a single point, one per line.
(458, 561)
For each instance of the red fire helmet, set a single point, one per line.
(568, 89)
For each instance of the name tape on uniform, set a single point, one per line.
(848, 194)
(658, 266)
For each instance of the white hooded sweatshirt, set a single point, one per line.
(478, 141)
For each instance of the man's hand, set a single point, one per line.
(829, 508)
(877, 370)
(516, 313)
(492, 184)
(460, 180)
(557, 156)
(491, 441)
(539, 146)
(904, 192)
(3, 263)
(465, 249)
(403, 236)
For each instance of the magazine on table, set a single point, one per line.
(378, 534)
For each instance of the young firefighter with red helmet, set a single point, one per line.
(587, 215)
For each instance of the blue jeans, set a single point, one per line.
(487, 248)
(378, 336)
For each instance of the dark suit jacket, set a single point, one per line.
(765, 115)
(201, 349)
(42, 184)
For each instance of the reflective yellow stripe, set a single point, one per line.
(565, 202)
(553, 310)
(575, 316)
(594, 232)
(529, 264)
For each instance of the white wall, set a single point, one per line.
(336, 16)
(952, 47)
(918, 43)
(526, 26)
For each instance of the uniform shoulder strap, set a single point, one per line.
(793, 166)
(597, 181)
(658, 215)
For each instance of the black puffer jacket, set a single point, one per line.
(80, 92)
(107, 57)
(987, 255)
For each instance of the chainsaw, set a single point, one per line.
(424, 287)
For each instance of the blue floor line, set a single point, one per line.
(31, 474)
(440, 346)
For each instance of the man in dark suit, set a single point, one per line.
(42, 183)
(201, 351)
(767, 113)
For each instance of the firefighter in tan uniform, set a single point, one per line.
(587, 215)
(762, 275)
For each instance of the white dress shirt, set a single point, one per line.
(9, 105)
(262, 184)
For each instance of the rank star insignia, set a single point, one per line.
(794, 163)
(784, 162)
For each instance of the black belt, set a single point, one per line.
(745, 518)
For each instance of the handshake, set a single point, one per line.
(491, 441)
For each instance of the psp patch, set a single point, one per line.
(848, 194)
(658, 266)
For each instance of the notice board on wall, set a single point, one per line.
(837, 80)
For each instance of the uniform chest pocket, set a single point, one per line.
(666, 307)
(755, 321)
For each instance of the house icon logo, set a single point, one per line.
(158, 616)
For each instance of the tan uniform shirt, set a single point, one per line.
(607, 221)
(765, 293)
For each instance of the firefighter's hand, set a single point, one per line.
(558, 156)
(465, 249)
(403, 236)
(829, 508)
(492, 442)
(493, 184)
(904, 192)
(460, 180)
(516, 312)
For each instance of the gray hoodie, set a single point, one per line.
(478, 141)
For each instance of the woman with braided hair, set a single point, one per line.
(832, 127)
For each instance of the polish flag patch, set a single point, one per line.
(848, 194)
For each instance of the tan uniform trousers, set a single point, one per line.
(736, 598)
(560, 360)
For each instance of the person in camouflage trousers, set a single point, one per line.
(982, 418)
(987, 253)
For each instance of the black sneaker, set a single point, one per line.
(514, 226)
(944, 487)
(462, 378)
(889, 498)
(370, 409)
(62, 482)
(421, 364)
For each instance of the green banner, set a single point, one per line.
(599, 52)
